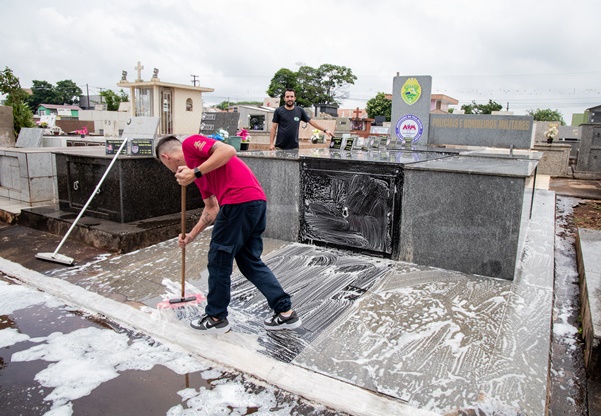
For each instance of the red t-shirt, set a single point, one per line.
(232, 183)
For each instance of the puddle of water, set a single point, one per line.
(567, 388)
(55, 359)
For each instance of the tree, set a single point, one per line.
(474, 108)
(67, 92)
(15, 98)
(282, 79)
(225, 104)
(379, 106)
(43, 92)
(113, 99)
(546, 115)
(325, 84)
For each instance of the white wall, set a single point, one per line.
(186, 122)
(110, 122)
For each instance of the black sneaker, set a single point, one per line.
(207, 325)
(278, 321)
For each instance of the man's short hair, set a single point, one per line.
(167, 143)
(290, 89)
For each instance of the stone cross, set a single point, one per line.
(139, 68)
(357, 112)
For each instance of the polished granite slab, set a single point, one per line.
(441, 340)
(483, 165)
(395, 156)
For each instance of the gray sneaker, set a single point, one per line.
(278, 321)
(206, 325)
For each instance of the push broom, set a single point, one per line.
(184, 307)
(59, 258)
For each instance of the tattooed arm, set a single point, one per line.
(207, 217)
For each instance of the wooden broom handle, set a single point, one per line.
(183, 198)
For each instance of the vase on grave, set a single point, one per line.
(234, 141)
(549, 140)
(244, 146)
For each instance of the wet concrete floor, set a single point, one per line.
(28, 386)
(104, 274)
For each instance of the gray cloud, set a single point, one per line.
(527, 54)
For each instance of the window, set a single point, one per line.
(189, 105)
(143, 97)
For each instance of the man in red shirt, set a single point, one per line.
(236, 205)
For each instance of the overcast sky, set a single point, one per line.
(528, 54)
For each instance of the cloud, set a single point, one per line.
(529, 54)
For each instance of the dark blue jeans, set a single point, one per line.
(237, 234)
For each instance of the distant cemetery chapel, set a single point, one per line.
(178, 107)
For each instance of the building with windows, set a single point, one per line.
(60, 111)
(178, 107)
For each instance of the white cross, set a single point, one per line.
(139, 68)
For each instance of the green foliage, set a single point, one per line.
(22, 117)
(379, 106)
(282, 79)
(323, 85)
(15, 98)
(67, 92)
(546, 115)
(474, 108)
(113, 99)
(225, 104)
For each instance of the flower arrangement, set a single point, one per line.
(245, 137)
(552, 132)
(221, 135)
(315, 137)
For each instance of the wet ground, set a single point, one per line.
(568, 384)
(57, 359)
(568, 388)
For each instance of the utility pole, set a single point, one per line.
(100, 89)
(88, 93)
(194, 79)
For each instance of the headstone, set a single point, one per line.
(411, 108)
(30, 137)
(141, 128)
(379, 120)
(212, 122)
(343, 124)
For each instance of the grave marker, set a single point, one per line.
(30, 137)
(211, 123)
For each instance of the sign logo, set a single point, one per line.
(409, 126)
(411, 91)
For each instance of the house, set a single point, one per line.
(61, 111)
(439, 103)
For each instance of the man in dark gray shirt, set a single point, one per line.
(286, 120)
